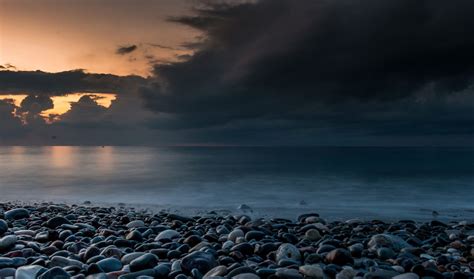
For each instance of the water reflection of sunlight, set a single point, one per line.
(105, 158)
(61, 156)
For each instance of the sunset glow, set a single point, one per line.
(62, 104)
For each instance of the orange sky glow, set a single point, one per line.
(56, 35)
(62, 104)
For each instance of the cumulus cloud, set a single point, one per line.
(333, 65)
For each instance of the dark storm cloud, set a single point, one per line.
(38, 82)
(360, 65)
(126, 49)
(85, 110)
(10, 125)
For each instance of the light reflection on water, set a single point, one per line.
(385, 182)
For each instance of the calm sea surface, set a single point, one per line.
(337, 182)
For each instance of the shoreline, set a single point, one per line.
(337, 213)
(50, 240)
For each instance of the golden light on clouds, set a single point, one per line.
(55, 35)
(62, 104)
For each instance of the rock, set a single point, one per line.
(128, 258)
(109, 264)
(385, 253)
(312, 271)
(245, 208)
(29, 271)
(7, 242)
(246, 276)
(288, 273)
(55, 273)
(233, 235)
(356, 249)
(288, 251)
(145, 261)
(3, 227)
(393, 242)
(135, 224)
(218, 271)
(254, 235)
(57, 221)
(381, 274)
(346, 273)
(168, 234)
(312, 235)
(7, 272)
(203, 261)
(17, 213)
(408, 275)
(339, 256)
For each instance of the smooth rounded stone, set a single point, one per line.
(7, 242)
(385, 253)
(56, 222)
(244, 248)
(381, 274)
(90, 252)
(236, 233)
(17, 213)
(29, 271)
(246, 276)
(288, 273)
(312, 271)
(8, 272)
(168, 234)
(312, 235)
(135, 224)
(143, 262)
(162, 270)
(95, 276)
(128, 258)
(134, 235)
(63, 262)
(228, 245)
(54, 273)
(220, 270)
(288, 251)
(356, 249)
(346, 273)
(393, 242)
(240, 270)
(3, 226)
(203, 261)
(408, 275)
(109, 264)
(254, 235)
(339, 256)
(134, 275)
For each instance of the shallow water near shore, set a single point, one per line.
(338, 182)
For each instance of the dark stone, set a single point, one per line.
(339, 256)
(203, 261)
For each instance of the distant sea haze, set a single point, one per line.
(345, 182)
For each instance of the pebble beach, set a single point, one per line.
(46, 240)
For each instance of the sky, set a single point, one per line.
(237, 72)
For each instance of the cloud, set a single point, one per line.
(11, 126)
(126, 49)
(85, 110)
(340, 66)
(38, 82)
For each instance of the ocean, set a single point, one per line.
(337, 182)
